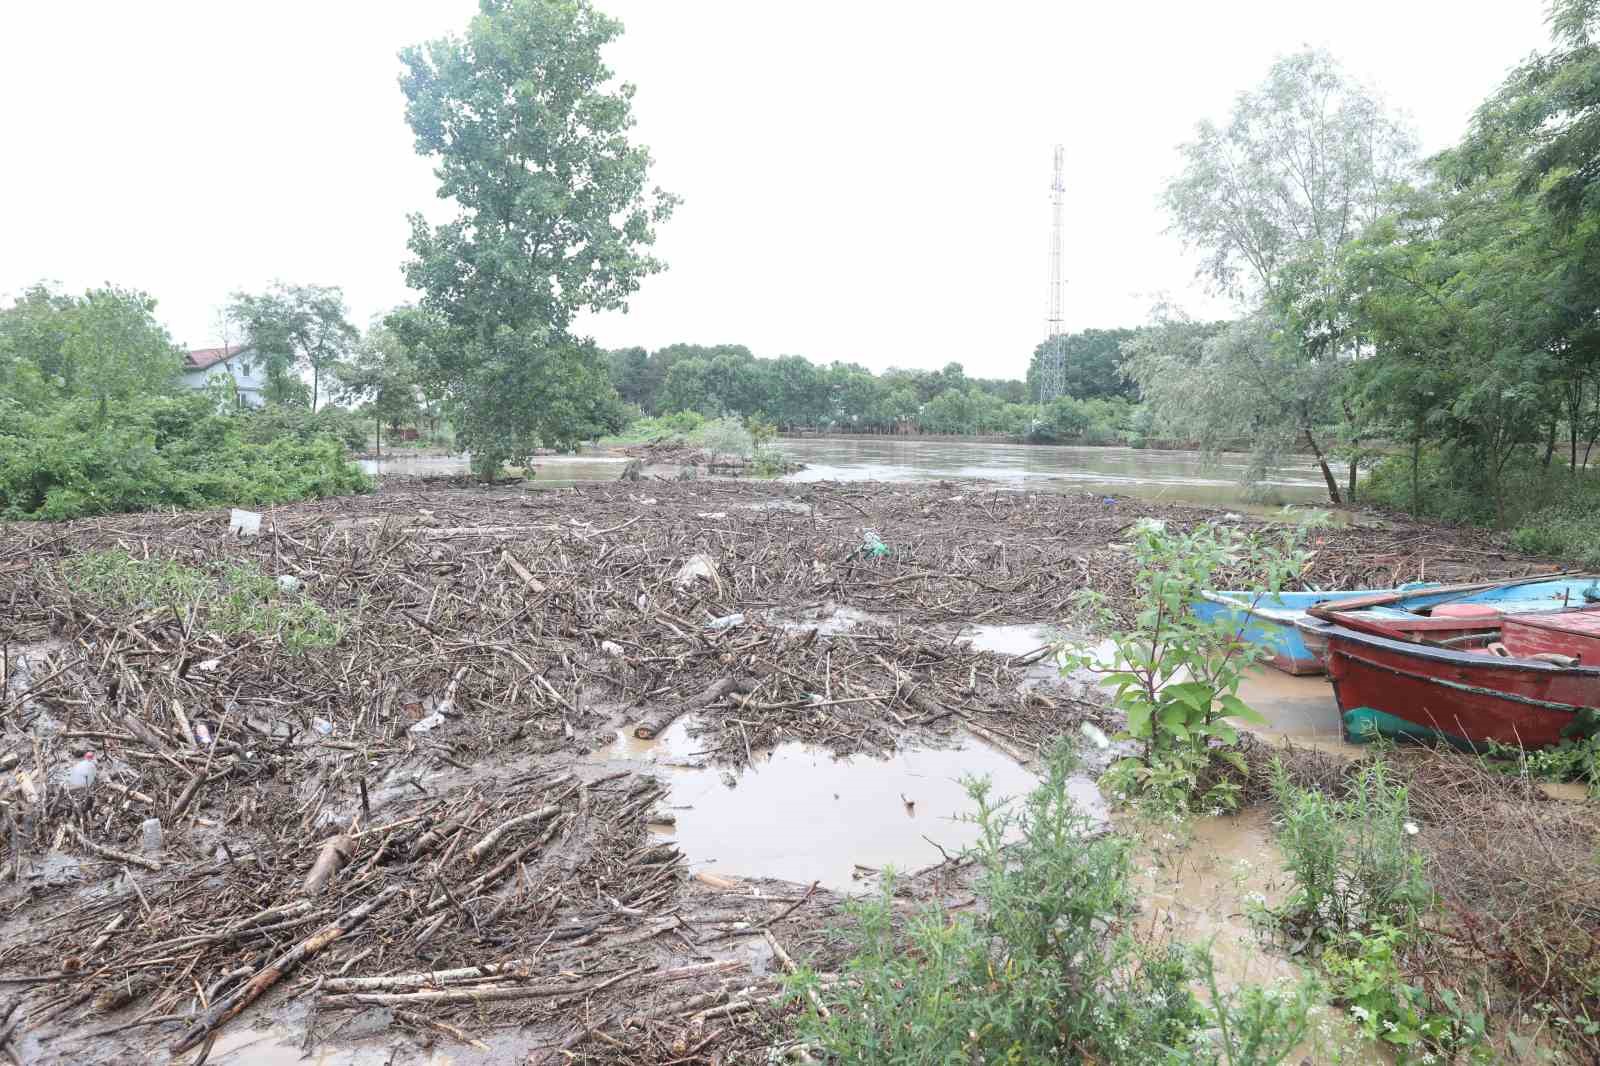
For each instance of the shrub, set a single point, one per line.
(279, 421)
(724, 436)
(1175, 676)
(1043, 972)
(160, 452)
(1351, 861)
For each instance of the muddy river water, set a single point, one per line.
(1178, 476)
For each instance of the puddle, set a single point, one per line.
(1200, 881)
(1010, 639)
(800, 814)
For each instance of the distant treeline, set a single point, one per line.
(792, 392)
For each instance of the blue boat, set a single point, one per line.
(1272, 621)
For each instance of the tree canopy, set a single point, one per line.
(531, 144)
(295, 328)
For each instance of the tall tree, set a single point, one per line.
(383, 376)
(1305, 162)
(1093, 362)
(295, 328)
(105, 346)
(531, 142)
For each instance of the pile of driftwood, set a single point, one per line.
(404, 820)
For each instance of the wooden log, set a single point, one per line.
(226, 1009)
(435, 978)
(657, 723)
(336, 851)
(530, 991)
(487, 842)
(113, 855)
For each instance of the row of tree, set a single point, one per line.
(1451, 304)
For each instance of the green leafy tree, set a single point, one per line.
(1093, 365)
(1305, 162)
(295, 328)
(105, 346)
(531, 143)
(383, 376)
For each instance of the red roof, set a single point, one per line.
(201, 358)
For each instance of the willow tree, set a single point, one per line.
(554, 216)
(1305, 161)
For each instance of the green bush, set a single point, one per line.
(1551, 508)
(1175, 676)
(1351, 860)
(159, 452)
(1069, 420)
(1043, 971)
(279, 421)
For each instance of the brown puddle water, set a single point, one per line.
(799, 814)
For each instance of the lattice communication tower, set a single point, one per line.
(1053, 364)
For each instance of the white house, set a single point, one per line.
(236, 361)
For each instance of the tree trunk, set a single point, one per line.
(1416, 465)
(377, 427)
(1550, 443)
(1327, 472)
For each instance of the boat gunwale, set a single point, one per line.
(1334, 631)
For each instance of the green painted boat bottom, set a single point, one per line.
(1363, 724)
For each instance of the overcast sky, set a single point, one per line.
(865, 181)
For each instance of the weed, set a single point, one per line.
(1351, 861)
(1044, 972)
(1176, 675)
(241, 600)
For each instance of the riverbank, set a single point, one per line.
(441, 711)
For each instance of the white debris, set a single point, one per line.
(322, 725)
(611, 648)
(82, 774)
(1096, 735)
(151, 830)
(698, 567)
(244, 523)
(727, 621)
(1150, 525)
(428, 724)
(715, 515)
(288, 583)
(208, 665)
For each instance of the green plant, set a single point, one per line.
(1576, 759)
(1350, 859)
(1365, 976)
(1175, 675)
(241, 599)
(1044, 971)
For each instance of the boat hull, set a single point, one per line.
(1273, 622)
(1411, 691)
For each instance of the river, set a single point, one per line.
(1177, 476)
(1182, 476)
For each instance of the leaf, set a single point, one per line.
(1234, 707)
(1192, 694)
(1235, 760)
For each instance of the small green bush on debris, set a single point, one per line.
(158, 452)
(1176, 676)
(241, 599)
(1043, 971)
(1351, 859)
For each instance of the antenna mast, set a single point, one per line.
(1053, 364)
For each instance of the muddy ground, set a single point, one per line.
(442, 839)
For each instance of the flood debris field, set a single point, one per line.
(368, 734)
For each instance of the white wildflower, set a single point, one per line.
(1361, 1013)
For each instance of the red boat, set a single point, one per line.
(1525, 688)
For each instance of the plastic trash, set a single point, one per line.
(713, 515)
(1150, 525)
(1096, 735)
(611, 648)
(244, 523)
(322, 725)
(82, 774)
(727, 621)
(698, 567)
(202, 734)
(873, 545)
(208, 665)
(150, 830)
(288, 583)
(428, 724)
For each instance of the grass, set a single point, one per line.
(238, 599)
